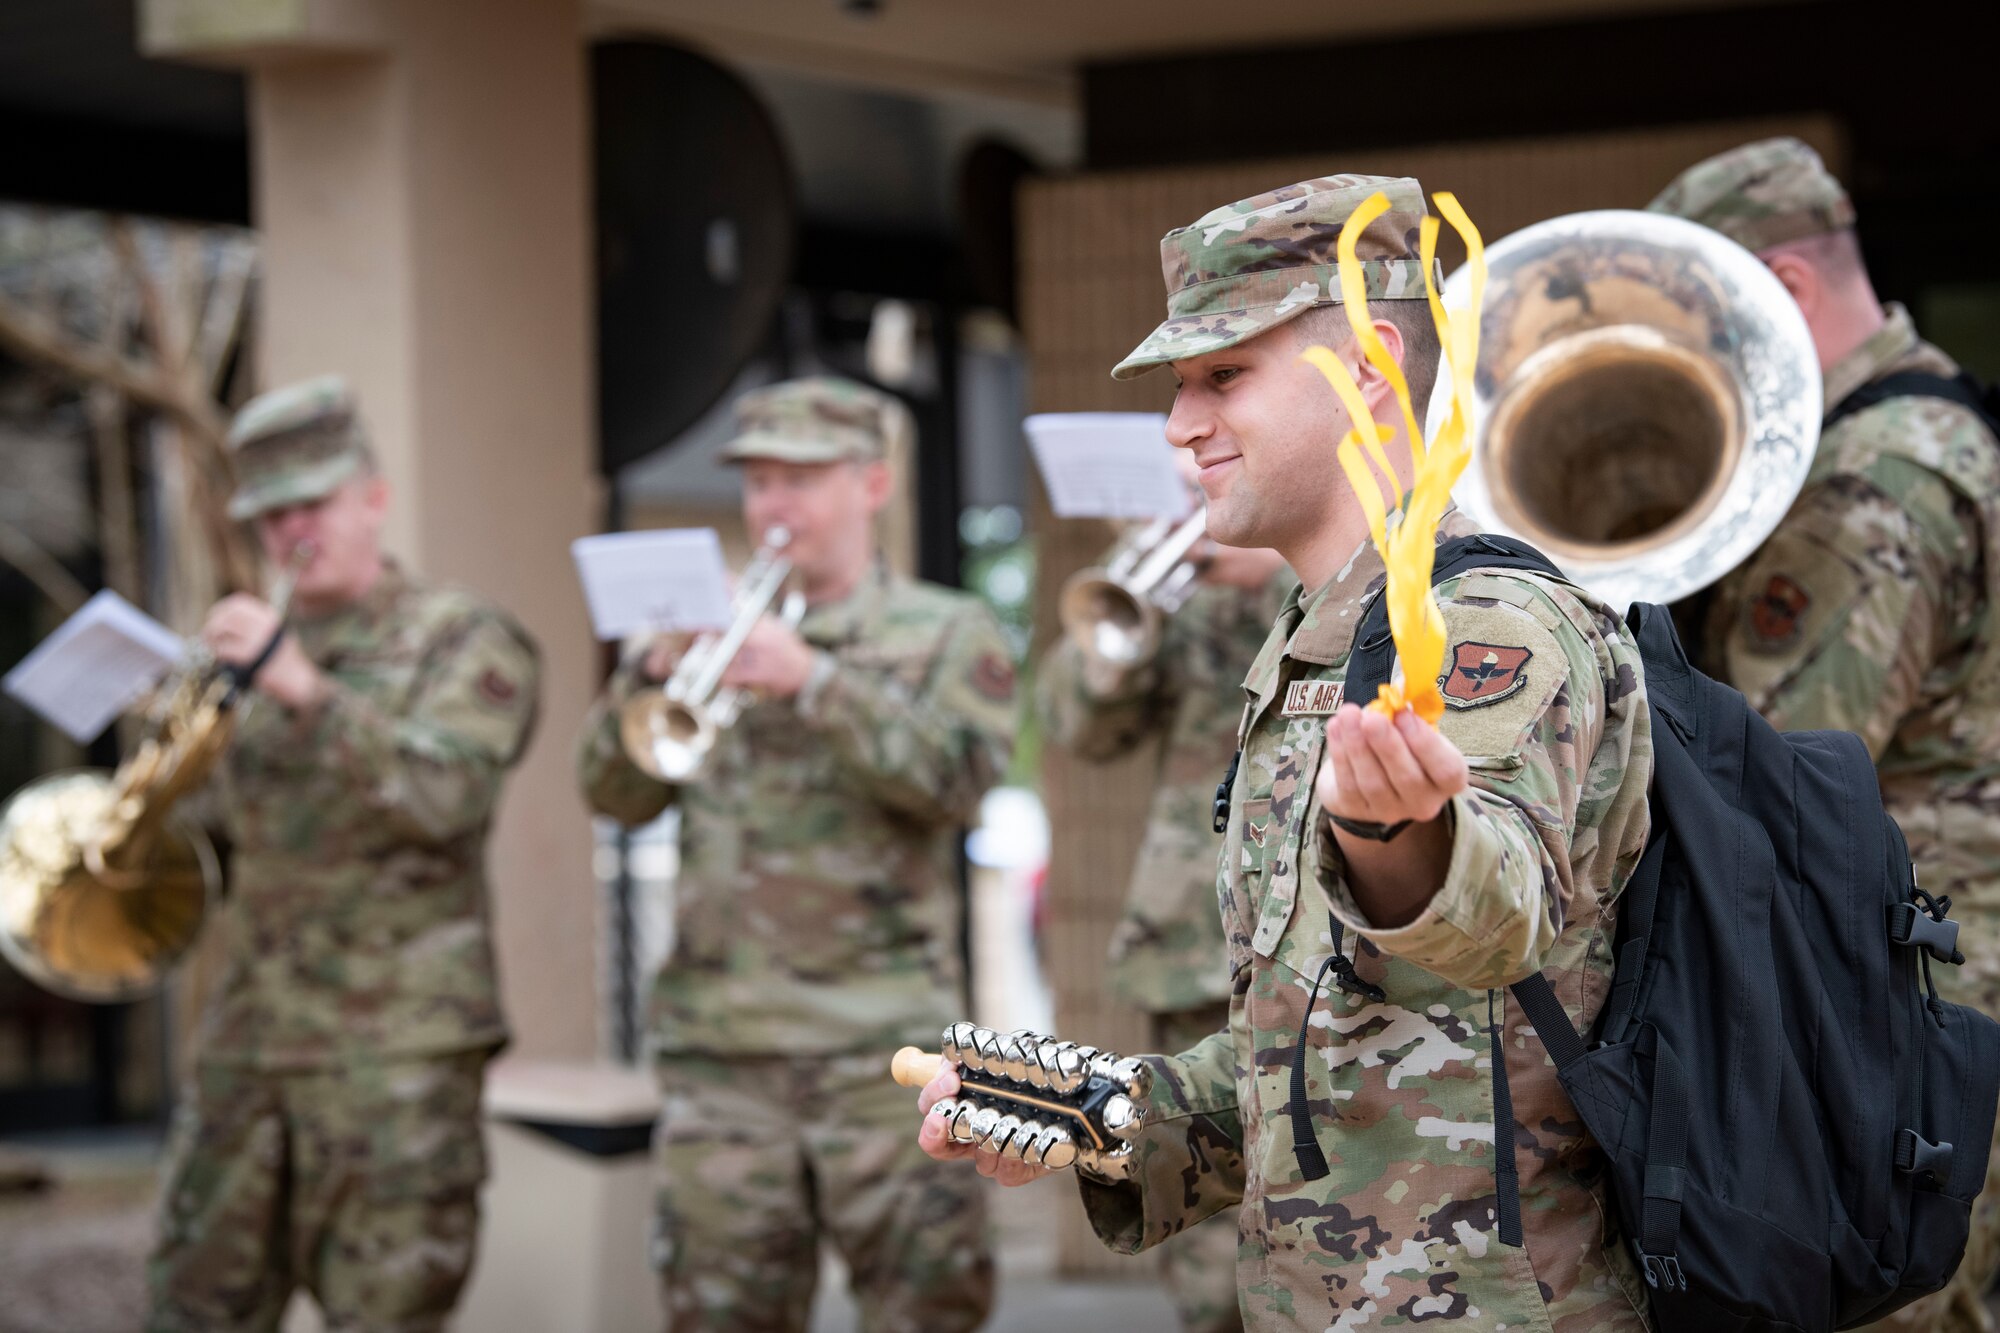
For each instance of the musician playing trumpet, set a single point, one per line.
(330, 1137)
(816, 911)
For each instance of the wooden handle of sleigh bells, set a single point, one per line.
(914, 1068)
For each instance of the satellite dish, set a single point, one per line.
(696, 229)
(989, 180)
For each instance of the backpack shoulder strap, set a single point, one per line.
(1368, 669)
(1961, 388)
(1671, 688)
(1373, 659)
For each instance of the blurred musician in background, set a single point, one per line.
(816, 909)
(330, 1137)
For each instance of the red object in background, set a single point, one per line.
(1038, 903)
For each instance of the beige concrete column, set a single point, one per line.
(421, 196)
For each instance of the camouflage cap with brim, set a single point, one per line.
(821, 419)
(294, 445)
(1247, 267)
(1760, 195)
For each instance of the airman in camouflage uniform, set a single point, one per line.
(815, 910)
(1872, 607)
(1527, 812)
(1168, 957)
(331, 1135)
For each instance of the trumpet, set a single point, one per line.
(1114, 612)
(104, 885)
(669, 732)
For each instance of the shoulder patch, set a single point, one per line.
(993, 677)
(1479, 674)
(1795, 593)
(1775, 612)
(1503, 668)
(496, 688)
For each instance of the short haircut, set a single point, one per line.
(1835, 255)
(1327, 326)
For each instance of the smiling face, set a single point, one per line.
(1262, 426)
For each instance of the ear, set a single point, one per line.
(877, 484)
(375, 497)
(1801, 279)
(1375, 387)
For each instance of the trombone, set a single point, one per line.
(669, 732)
(1114, 612)
(103, 883)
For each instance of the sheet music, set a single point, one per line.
(1108, 465)
(651, 582)
(95, 666)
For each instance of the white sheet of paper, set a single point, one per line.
(1108, 464)
(94, 666)
(651, 582)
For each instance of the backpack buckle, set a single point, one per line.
(1918, 1156)
(1220, 810)
(1663, 1270)
(1347, 980)
(1936, 935)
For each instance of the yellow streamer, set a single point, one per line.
(1409, 550)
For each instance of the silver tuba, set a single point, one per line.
(670, 732)
(1646, 401)
(1114, 611)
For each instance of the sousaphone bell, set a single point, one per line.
(1646, 401)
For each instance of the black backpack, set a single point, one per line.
(1795, 1124)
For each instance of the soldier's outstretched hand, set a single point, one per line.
(1400, 774)
(1385, 770)
(932, 1139)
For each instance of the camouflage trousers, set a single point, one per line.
(359, 1184)
(1199, 1265)
(760, 1158)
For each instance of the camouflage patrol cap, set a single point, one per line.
(295, 444)
(820, 419)
(1245, 268)
(1760, 195)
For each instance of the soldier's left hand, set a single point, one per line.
(932, 1139)
(774, 661)
(1383, 770)
(237, 630)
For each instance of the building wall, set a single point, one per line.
(422, 204)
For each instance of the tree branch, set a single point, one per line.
(40, 342)
(43, 570)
